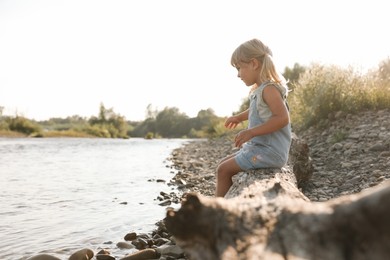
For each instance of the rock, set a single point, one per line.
(83, 254)
(43, 257)
(140, 243)
(103, 252)
(104, 257)
(170, 250)
(165, 203)
(124, 245)
(143, 255)
(161, 241)
(384, 154)
(377, 147)
(130, 236)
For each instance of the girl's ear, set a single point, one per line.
(255, 64)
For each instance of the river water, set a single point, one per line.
(59, 195)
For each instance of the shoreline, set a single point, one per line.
(337, 164)
(342, 166)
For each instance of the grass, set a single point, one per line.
(54, 133)
(8, 133)
(322, 91)
(65, 133)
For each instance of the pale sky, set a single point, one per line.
(63, 58)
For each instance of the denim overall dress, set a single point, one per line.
(264, 151)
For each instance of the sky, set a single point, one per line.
(60, 58)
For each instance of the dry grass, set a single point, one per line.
(66, 133)
(324, 90)
(9, 134)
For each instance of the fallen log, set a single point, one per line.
(265, 216)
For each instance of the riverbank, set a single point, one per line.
(11, 134)
(351, 154)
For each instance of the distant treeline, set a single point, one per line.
(317, 93)
(167, 123)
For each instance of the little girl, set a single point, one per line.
(266, 141)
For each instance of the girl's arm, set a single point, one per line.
(233, 121)
(279, 119)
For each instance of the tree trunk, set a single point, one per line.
(265, 216)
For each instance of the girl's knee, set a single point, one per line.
(225, 171)
(219, 171)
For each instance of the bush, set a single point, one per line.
(4, 125)
(324, 90)
(149, 135)
(97, 130)
(23, 125)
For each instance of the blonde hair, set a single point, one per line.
(255, 49)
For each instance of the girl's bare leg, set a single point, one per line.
(226, 158)
(226, 170)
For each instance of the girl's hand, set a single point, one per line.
(242, 137)
(232, 122)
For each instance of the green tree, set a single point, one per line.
(140, 129)
(150, 112)
(205, 117)
(170, 122)
(293, 74)
(109, 121)
(118, 126)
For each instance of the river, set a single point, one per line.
(58, 195)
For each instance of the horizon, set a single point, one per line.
(65, 58)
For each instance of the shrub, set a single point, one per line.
(97, 130)
(149, 135)
(23, 125)
(323, 90)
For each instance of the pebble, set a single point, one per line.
(43, 257)
(104, 257)
(363, 161)
(143, 255)
(83, 254)
(124, 245)
(130, 236)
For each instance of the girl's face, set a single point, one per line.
(248, 72)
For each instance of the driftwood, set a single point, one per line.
(265, 216)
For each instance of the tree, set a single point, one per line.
(150, 112)
(205, 117)
(140, 129)
(170, 122)
(292, 75)
(109, 121)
